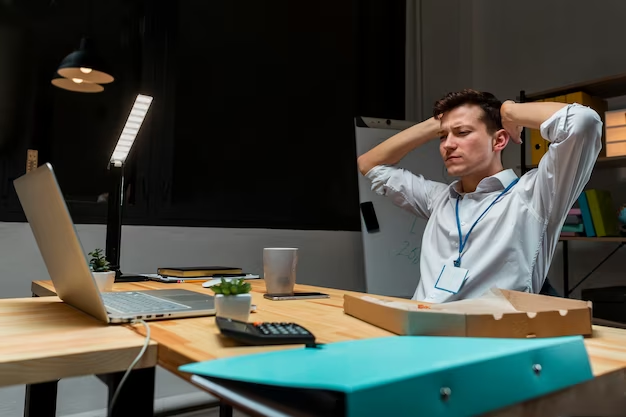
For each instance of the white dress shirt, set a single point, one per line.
(512, 246)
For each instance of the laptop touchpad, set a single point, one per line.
(181, 296)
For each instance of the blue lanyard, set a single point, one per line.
(463, 242)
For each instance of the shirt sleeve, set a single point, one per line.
(575, 133)
(406, 190)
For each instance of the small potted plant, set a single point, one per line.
(233, 299)
(101, 270)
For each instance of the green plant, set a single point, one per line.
(234, 287)
(98, 262)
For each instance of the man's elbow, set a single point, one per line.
(587, 125)
(365, 164)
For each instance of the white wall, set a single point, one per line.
(326, 258)
(507, 46)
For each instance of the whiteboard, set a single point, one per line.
(392, 253)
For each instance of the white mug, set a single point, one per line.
(279, 270)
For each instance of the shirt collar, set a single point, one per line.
(495, 182)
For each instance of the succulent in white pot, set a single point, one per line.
(233, 299)
(101, 271)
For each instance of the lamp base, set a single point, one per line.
(120, 277)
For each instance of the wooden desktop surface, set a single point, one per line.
(197, 339)
(188, 340)
(44, 339)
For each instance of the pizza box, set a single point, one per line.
(498, 313)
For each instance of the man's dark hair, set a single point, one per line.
(487, 101)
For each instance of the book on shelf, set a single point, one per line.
(198, 271)
(572, 228)
(602, 212)
(594, 216)
(585, 214)
(573, 225)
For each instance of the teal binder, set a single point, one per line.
(414, 375)
(585, 213)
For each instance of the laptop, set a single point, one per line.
(53, 228)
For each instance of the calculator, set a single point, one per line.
(265, 333)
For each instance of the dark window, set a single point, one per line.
(252, 119)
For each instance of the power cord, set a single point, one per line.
(132, 365)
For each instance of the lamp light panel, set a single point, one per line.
(131, 129)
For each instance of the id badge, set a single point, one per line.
(451, 278)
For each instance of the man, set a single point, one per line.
(489, 228)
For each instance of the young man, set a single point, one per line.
(489, 228)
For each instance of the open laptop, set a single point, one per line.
(48, 216)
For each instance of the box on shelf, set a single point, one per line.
(498, 313)
(615, 117)
(615, 132)
(614, 149)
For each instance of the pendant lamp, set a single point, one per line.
(78, 85)
(84, 66)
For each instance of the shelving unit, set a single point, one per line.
(602, 162)
(565, 242)
(594, 239)
(607, 87)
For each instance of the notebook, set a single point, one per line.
(197, 271)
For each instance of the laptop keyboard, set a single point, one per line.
(136, 302)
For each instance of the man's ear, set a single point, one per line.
(500, 140)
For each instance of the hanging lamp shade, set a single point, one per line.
(84, 64)
(78, 85)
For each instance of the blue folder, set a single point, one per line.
(415, 375)
(585, 213)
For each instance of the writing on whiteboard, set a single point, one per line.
(412, 253)
(407, 249)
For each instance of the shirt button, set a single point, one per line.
(462, 223)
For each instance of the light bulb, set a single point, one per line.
(77, 80)
(85, 70)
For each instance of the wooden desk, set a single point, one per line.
(44, 340)
(198, 339)
(192, 340)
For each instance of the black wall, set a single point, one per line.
(252, 121)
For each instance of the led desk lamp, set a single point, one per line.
(116, 186)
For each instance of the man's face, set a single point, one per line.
(465, 144)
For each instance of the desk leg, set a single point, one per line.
(137, 393)
(225, 410)
(41, 400)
